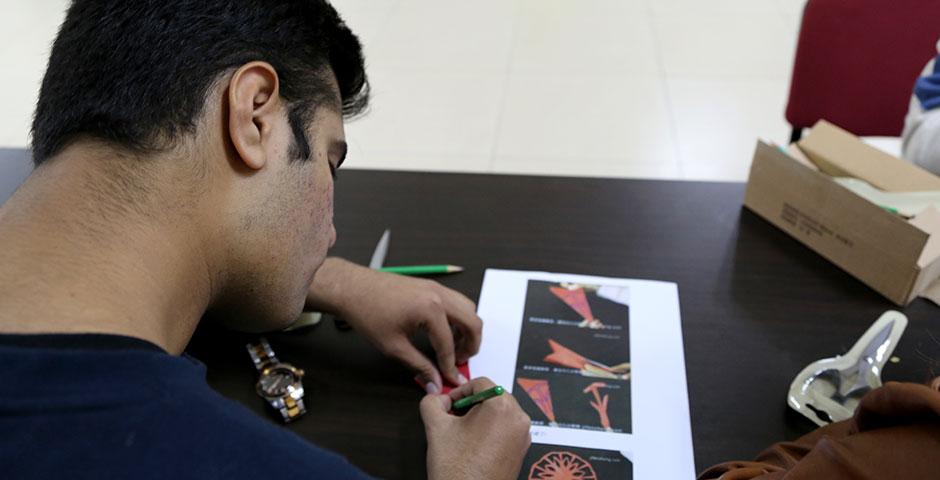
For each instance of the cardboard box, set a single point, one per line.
(841, 154)
(899, 258)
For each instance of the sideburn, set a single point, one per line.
(300, 144)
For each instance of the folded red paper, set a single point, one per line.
(464, 369)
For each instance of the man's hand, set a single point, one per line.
(389, 308)
(489, 442)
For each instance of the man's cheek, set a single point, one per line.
(323, 209)
(328, 202)
(329, 197)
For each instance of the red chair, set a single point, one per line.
(857, 61)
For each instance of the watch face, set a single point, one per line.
(277, 381)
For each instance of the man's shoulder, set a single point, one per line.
(120, 414)
(225, 431)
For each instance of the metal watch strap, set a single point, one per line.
(261, 354)
(291, 409)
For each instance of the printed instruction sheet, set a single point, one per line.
(598, 365)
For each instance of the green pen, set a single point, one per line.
(422, 269)
(467, 402)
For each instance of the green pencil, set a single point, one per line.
(423, 269)
(467, 402)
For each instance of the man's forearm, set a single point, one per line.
(334, 285)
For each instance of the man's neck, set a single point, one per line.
(71, 262)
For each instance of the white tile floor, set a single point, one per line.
(674, 89)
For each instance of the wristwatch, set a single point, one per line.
(279, 383)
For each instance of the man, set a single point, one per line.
(185, 153)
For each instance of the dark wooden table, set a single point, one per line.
(756, 305)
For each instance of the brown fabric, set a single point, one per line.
(895, 433)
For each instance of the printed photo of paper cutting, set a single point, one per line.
(539, 392)
(564, 326)
(558, 462)
(568, 401)
(565, 357)
(569, 329)
(574, 297)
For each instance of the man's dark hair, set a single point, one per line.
(137, 73)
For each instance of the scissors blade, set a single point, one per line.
(378, 256)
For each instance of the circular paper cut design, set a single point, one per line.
(562, 466)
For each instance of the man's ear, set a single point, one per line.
(253, 108)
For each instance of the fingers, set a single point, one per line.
(462, 314)
(427, 375)
(434, 409)
(476, 385)
(442, 339)
(511, 417)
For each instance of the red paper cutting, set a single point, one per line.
(565, 357)
(562, 466)
(600, 403)
(576, 299)
(539, 393)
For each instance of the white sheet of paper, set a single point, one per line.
(660, 440)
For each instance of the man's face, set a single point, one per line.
(313, 181)
(287, 227)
